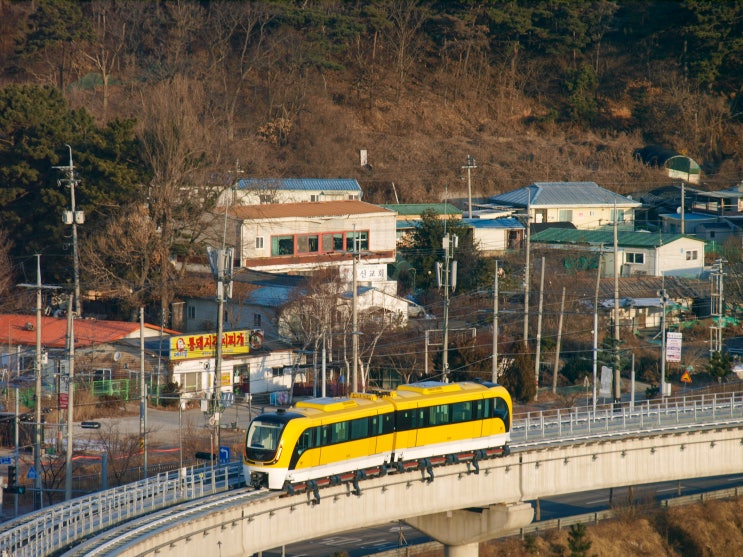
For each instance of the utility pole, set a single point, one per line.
(469, 165)
(718, 308)
(38, 426)
(70, 397)
(37, 403)
(142, 394)
(494, 373)
(617, 374)
(73, 217)
(527, 270)
(539, 334)
(449, 271)
(663, 300)
(559, 342)
(220, 261)
(596, 328)
(354, 316)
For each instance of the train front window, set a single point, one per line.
(262, 439)
(264, 435)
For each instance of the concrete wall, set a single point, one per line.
(525, 475)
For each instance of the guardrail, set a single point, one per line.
(56, 527)
(650, 415)
(61, 525)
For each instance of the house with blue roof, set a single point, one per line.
(260, 191)
(585, 205)
(496, 235)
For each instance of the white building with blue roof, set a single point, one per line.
(583, 204)
(493, 236)
(258, 191)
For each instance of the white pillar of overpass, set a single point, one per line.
(462, 531)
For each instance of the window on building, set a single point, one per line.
(265, 198)
(634, 257)
(282, 245)
(191, 382)
(256, 320)
(314, 198)
(191, 312)
(259, 242)
(277, 371)
(692, 255)
(308, 244)
(362, 241)
(565, 215)
(617, 215)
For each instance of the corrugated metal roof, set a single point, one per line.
(321, 184)
(605, 237)
(494, 223)
(21, 329)
(408, 209)
(575, 194)
(318, 209)
(270, 296)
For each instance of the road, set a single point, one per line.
(396, 535)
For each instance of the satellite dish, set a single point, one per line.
(678, 210)
(117, 356)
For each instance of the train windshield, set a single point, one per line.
(262, 439)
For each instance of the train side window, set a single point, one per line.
(421, 418)
(405, 420)
(386, 424)
(359, 428)
(339, 432)
(323, 435)
(438, 415)
(501, 411)
(305, 441)
(479, 410)
(461, 412)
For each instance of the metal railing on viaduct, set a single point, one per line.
(202, 511)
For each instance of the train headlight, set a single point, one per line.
(278, 454)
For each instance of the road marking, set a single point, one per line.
(669, 489)
(596, 501)
(736, 479)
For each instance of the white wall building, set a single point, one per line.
(640, 253)
(260, 191)
(303, 237)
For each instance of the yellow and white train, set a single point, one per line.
(329, 440)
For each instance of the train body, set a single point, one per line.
(325, 438)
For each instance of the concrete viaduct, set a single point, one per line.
(458, 507)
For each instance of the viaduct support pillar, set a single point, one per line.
(462, 531)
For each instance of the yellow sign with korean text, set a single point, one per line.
(189, 347)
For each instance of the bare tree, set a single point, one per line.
(407, 18)
(120, 261)
(175, 143)
(234, 34)
(311, 312)
(123, 450)
(106, 46)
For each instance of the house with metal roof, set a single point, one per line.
(494, 236)
(257, 191)
(409, 215)
(300, 238)
(639, 253)
(586, 205)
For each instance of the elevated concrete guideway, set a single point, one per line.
(458, 508)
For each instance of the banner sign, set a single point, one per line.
(364, 272)
(673, 347)
(205, 345)
(606, 379)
